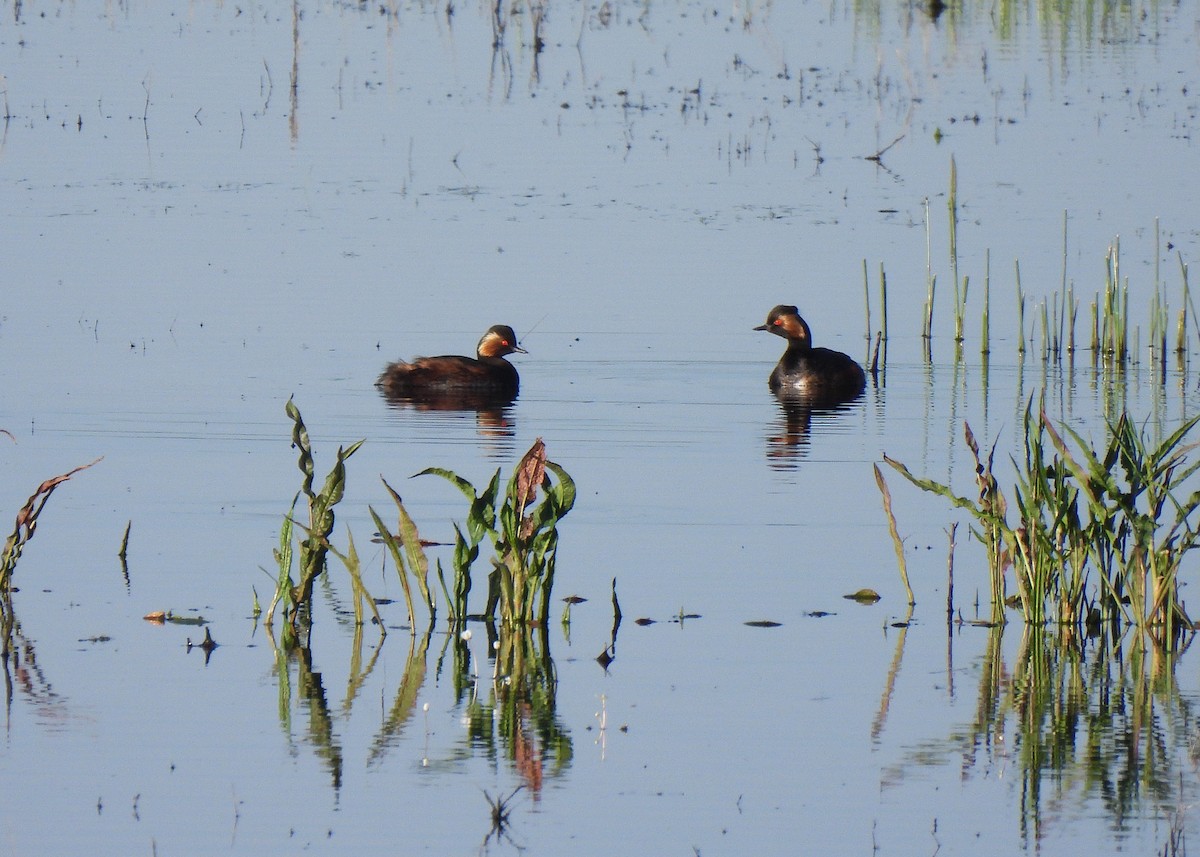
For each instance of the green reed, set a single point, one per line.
(960, 286)
(1115, 335)
(1114, 328)
(524, 535)
(408, 555)
(867, 301)
(881, 335)
(883, 304)
(1020, 309)
(931, 283)
(1119, 514)
(1138, 519)
(985, 336)
(1047, 342)
(1072, 313)
(296, 598)
(1181, 344)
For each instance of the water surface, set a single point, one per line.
(190, 240)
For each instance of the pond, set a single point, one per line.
(212, 209)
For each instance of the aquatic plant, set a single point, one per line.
(897, 542)
(524, 536)
(1118, 513)
(931, 286)
(362, 598)
(408, 555)
(960, 286)
(881, 335)
(985, 321)
(314, 547)
(26, 524)
(1114, 340)
(1140, 528)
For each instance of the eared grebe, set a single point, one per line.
(820, 375)
(485, 377)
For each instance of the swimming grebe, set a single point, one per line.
(818, 374)
(487, 375)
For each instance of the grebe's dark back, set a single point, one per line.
(487, 374)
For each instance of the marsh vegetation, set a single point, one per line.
(213, 210)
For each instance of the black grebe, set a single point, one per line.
(487, 375)
(818, 374)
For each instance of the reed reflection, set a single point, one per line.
(22, 672)
(1078, 717)
(514, 712)
(509, 705)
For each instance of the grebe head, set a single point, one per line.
(785, 321)
(498, 341)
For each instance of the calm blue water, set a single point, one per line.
(187, 246)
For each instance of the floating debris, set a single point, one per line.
(161, 617)
(208, 643)
(605, 658)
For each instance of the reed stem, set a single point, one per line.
(867, 300)
(985, 335)
(931, 282)
(1020, 310)
(897, 542)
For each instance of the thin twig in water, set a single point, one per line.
(878, 156)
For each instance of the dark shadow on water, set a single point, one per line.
(790, 434)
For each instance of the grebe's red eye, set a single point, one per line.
(779, 322)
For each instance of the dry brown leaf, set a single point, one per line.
(530, 473)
